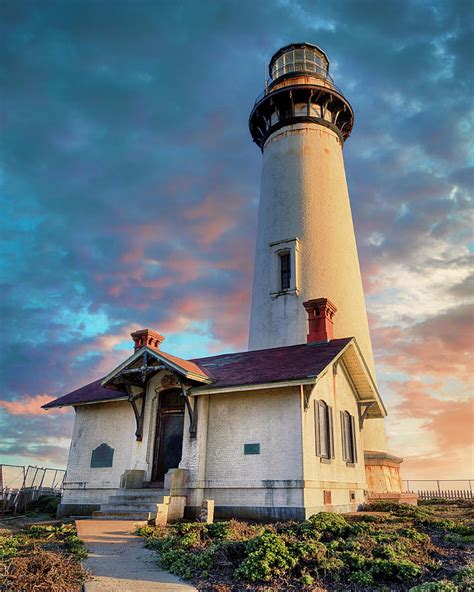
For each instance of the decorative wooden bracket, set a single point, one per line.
(143, 373)
(138, 411)
(144, 370)
(306, 390)
(363, 413)
(191, 413)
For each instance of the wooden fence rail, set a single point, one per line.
(451, 494)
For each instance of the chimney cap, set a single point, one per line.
(321, 303)
(147, 337)
(321, 313)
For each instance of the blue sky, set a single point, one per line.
(130, 191)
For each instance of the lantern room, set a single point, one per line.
(299, 58)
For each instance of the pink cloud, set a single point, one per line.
(215, 215)
(29, 405)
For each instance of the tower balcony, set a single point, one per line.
(300, 90)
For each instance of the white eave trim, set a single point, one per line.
(196, 391)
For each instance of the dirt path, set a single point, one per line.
(119, 562)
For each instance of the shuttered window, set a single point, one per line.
(324, 430)
(349, 446)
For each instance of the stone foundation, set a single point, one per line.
(383, 479)
(65, 510)
(396, 498)
(382, 472)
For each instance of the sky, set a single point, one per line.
(130, 186)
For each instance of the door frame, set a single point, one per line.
(166, 406)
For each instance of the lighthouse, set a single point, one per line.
(306, 247)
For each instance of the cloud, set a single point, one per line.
(28, 405)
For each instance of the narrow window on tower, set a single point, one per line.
(284, 268)
(285, 271)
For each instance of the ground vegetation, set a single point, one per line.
(40, 557)
(386, 547)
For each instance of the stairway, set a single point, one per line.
(131, 504)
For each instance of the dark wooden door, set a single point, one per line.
(169, 434)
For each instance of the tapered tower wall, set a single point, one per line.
(300, 125)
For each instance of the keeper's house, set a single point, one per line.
(274, 433)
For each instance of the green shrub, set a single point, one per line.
(46, 504)
(219, 531)
(441, 586)
(9, 545)
(413, 535)
(307, 580)
(311, 550)
(464, 578)
(268, 556)
(328, 522)
(187, 564)
(402, 570)
(363, 578)
(353, 561)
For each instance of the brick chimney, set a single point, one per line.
(147, 337)
(321, 313)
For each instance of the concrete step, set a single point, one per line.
(137, 515)
(155, 498)
(141, 492)
(127, 507)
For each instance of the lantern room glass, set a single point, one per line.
(307, 59)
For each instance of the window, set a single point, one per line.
(284, 267)
(349, 447)
(324, 430)
(285, 271)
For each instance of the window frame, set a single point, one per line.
(278, 249)
(285, 273)
(348, 438)
(324, 433)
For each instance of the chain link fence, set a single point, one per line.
(22, 485)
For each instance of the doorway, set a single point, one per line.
(169, 434)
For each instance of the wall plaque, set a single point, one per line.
(102, 456)
(251, 448)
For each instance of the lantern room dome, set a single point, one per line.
(299, 58)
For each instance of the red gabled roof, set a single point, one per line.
(187, 365)
(92, 392)
(279, 364)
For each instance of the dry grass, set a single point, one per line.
(42, 571)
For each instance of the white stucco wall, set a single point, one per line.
(110, 423)
(335, 476)
(304, 195)
(270, 418)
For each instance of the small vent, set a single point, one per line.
(352, 496)
(327, 498)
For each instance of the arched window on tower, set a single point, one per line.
(284, 268)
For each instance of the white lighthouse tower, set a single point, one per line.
(306, 247)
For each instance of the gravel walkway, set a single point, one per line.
(119, 562)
